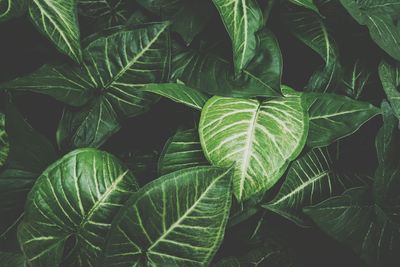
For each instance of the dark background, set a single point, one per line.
(23, 49)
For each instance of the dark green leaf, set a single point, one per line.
(12, 8)
(177, 220)
(309, 4)
(8, 259)
(333, 117)
(390, 78)
(75, 199)
(183, 150)
(4, 144)
(213, 75)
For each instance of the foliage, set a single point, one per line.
(196, 133)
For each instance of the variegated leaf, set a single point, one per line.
(75, 199)
(260, 138)
(176, 220)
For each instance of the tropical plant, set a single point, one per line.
(200, 133)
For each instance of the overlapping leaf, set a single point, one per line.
(213, 75)
(260, 138)
(242, 19)
(75, 199)
(333, 117)
(306, 3)
(309, 181)
(58, 21)
(115, 67)
(183, 150)
(177, 220)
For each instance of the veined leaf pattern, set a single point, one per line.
(333, 117)
(179, 93)
(309, 181)
(390, 78)
(176, 220)
(107, 13)
(58, 20)
(76, 197)
(11, 9)
(260, 138)
(242, 19)
(4, 144)
(183, 150)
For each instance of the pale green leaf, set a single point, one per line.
(75, 198)
(183, 150)
(179, 93)
(176, 220)
(242, 19)
(58, 21)
(333, 117)
(260, 138)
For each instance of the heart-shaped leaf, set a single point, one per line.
(75, 199)
(260, 138)
(176, 220)
(58, 21)
(183, 150)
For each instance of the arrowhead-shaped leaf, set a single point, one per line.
(177, 220)
(74, 199)
(242, 19)
(260, 138)
(333, 117)
(183, 150)
(309, 181)
(58, 21)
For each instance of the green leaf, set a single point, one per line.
(354, 220)
(177, 220)
(188, 17)
(242, 19)
(11, 9)
(183, 150)
(260, 138)
(381, 19)
(9, 259)
(355, 79)
(212, 74)
(115, 66)
(105, 13)
(4, 144)
(333, 117)
(58, 21)
(390, 78)
(309, 4)
(309, 181)
(75, 199)
(30, 153)
(387, 175)
(178, 93)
